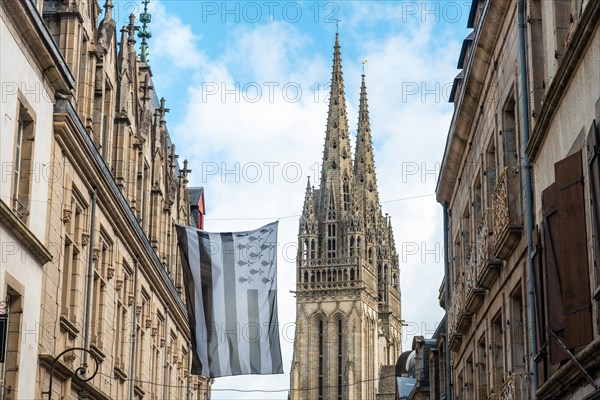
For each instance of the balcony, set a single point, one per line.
(473, 293)
(516, 387)
(488, 267)
(459, 319)
(507, 212)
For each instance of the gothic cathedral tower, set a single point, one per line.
(348, 323)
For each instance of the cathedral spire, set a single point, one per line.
(337, 164)
(364, 163)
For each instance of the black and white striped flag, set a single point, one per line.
(231, 287)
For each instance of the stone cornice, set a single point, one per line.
(569, 372)
(583, 34)
(89, 164)
(460, 129)
(18, 229)
(31, 27)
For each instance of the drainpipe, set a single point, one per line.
(521, 9)
(90, 280)
(166, 365)
(446, 302)
(134, 331)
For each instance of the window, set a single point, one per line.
(23, 164)
(477, 206)
(562, 265)
(497, 352)
(509, 135)
(75, 239)
(466, 230)
(346, 192)
(517, 331)
(456, 258)
(13, 344)
(469, 378)
(122, 328)
(331, 240)
(305, 249)
(593, 161)
(490, 172)
(102, 262)
(340, 369)
(321, 351)
(482, 376)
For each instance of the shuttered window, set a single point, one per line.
(561, 268)
(573, 254)
(551, 237)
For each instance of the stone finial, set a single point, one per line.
(108, 6)
(146, 87)
(162, 110)
(131, 28)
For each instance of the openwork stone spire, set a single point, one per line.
(337, 161)
(364, 164)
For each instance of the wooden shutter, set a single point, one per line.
(573, 255)
(551, 239)
(593, 148)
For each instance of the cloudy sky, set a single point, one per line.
(247, 85)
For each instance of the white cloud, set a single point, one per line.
(174, 40)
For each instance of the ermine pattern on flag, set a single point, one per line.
(231, 281)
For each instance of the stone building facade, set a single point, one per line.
(348, 323)
(95, 188)
(518, 183)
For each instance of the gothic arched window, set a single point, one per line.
(346, 193)
(340, 349)
(331, 241)
(305, 249)
(321, 366)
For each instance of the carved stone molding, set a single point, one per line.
(96, 255)
(85, 239)
(67, 215)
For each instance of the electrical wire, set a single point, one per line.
(298, 216)
(253, 390)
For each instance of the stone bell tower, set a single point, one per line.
(348, 322)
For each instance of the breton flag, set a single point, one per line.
(231, 287)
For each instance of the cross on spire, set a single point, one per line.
(145, 34)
